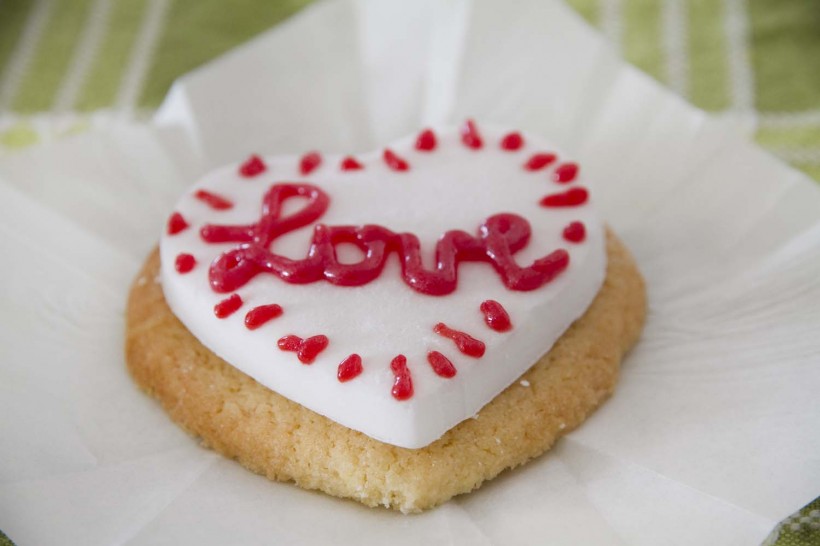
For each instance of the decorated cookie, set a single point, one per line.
(389, 295)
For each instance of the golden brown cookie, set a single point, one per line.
(269, 434)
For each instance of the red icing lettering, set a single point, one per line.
(228, 306)
(350, 368)
(258, 316)
(351, 164)
(539, 161)
(470, 136)
(498, 239)
(184, 263)
(575, 232)
(306, 349)
(570, 198)
(495, 316)
(426, 141)
(394, 161)
(565, 173)
(176, 223)
(467, 344)
(216, 202)
(252, 166)
(309, 162)
(402, 382)
(512, 142)
(441, 364)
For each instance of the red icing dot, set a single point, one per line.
(289, 343)
(184, 263)
(252, 166)
(470, 136)
(496, 316)
(258, 316)
(213, 200)
(228, 306)
(575, 232)
(350, 368)
(565, 173)
(350, 164)
(441, 364)
(512, 142)
(394, 161)
(570, 198)
(306, 349)
(426, 141)
(467, 344)
(539, 161)
(309, 162)
(176, 223)
(402, 382)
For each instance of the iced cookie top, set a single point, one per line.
(395, 292)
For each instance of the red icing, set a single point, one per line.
(470, 136)
(441, 364)
(309, 162)
(213, 200)
(565, 173)
(394, 161)
(402, 382)
(575, 232)
(496, 316)
(252, 166)
(512, 142)
(498, 238)
(539, 161)
(258, 316)
(306, 349)
(351, 164)
(228, 306)
(176, 223)
(184, 263)
(426, 141)
(466, 343)
(570, 198)
(349, 368)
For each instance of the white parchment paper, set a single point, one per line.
(712, 437)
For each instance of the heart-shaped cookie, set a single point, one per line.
(395, 292)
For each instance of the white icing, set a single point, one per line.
(452, 187)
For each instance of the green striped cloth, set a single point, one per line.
(755, 60)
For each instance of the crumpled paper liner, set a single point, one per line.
(711, 437)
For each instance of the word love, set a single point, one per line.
(499, 237)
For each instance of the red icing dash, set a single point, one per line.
(176, 223)
(402, 382)
(426, 141)
(565, 173)
(495, 316)
(570, 198)
(575, 232)
(309, 162)
(350, 368)
(306, 349)
(470, 136)
(228, 306)
(512, 142)
(258, 316)
(351, 164)
(394, 161)
(252, 166)
(539, 161)
(441, 364)
(213, 200)
(467, 344)
(184, 263)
